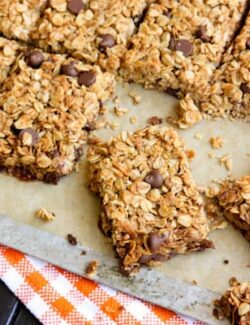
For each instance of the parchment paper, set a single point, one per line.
(77, 210)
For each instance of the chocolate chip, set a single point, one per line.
(184, 46)
(154, 178)
(172, 44)
(78, 154)
(144, 259)
(86, 78)
(248, 44)
(22, 173)
(88, 127)
(32, 138)
(35, 59)
(51, 178)
(107, 41)
(69, 69)
(202, 34)
(155, 241)
(75, 6)
(14, 130)
(72, 240)
(172, 91)
(154, 120)
(245, 88)
(226, 261)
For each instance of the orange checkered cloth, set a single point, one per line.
(56, 297)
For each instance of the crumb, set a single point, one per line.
(212, 191)
(100, 124)
(248, 265)
(91, 268)
(155, 120)
(72, 240)
(211, 155)
(190, 154)
(83, 253)
(135, 97)
(119, 111)
(226, 160)
(45, 215)
(194, 282)
(133, 119)
(226, 261)
(216, 142)
(198, 136)
(112, 125)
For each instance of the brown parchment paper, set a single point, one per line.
(77, 210)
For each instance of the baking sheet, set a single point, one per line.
(77, 210)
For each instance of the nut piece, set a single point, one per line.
(45, 215)
(91, 268)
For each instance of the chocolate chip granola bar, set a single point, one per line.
(8, 53)
(180, 43)
(19, 17)
(228, 95)
(91, 30)
(46, 105)
(235, 303)
(234, 198)
(151, 208)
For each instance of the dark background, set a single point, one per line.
(12, 312)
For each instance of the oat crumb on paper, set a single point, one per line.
(91, 268)
(198, 136)
(211, 155)
(45, 215)
(133, 119)
(120, 111)
(226, 161)
(217, 142)
(190, 154)
(135, 97)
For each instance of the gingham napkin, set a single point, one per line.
(58, 297)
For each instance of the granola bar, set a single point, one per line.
(180, 43)
(46, 107)
(230, 92)
(151, 208)
(94, 30)
(19, 17)
(234, 198)
(228, 95)
(234, 304)
(8, 53)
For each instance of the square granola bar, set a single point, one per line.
(46, 106)
(151, 207)
(180, 43)
(235, 303)
(18, 17)
(8, 53)
(94, 30)
(234, 198)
